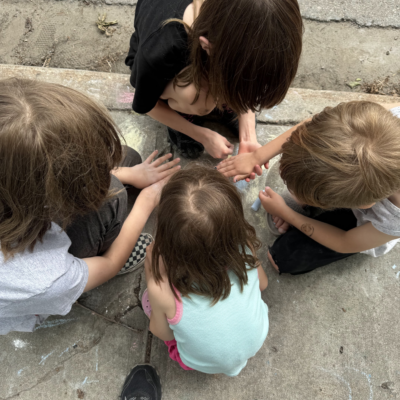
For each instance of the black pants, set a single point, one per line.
(296, 253)
(92, 234)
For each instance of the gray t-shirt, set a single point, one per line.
(37, 284)
(384, 216)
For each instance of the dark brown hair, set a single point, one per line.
(201, 233)
(254, 55)
(57, 148)
(346, 157)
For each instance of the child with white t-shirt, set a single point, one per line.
(64, 223)
(344, 161)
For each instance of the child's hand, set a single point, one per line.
(148, 172)
(216, 145)
(153, 192)
(273, 203)
(280, 224)
(243, 166)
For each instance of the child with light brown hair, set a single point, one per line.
(64, 223)
(204, 280)
(345, 161)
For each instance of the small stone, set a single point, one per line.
(396, 38)
(387, 53)
(341, 350)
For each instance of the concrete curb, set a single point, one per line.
(116, 93)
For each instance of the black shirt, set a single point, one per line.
(157, 53)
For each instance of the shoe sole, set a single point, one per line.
(156, 371)
(133, 269)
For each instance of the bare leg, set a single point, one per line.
(271, 260)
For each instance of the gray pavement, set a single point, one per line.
(333, 332)
(386, 13)
(343, 40)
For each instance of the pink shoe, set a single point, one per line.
(146, 303)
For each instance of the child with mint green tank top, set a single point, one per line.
(204, 280)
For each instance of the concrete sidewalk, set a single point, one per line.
(333, 332)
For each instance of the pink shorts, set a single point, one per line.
(174, 354)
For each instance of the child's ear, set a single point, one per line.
(205, 44)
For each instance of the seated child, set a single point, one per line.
(346, 161)
(203, 278)
(62, 229)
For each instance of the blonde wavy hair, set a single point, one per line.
(347, 156)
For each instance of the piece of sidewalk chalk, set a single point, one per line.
(256, 205)
(241, 185)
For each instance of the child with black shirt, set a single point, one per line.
(230, 56)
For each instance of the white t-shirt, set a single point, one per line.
(384, 216)
(37, 284)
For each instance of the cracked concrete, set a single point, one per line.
(78, 351)
(333, 332)
(362, 12)
(343, 40)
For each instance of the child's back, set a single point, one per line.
(221, 338)
(202, 251)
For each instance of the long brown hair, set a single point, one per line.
(346, 157)
(57, 148)
(254, 55)
(201, 233)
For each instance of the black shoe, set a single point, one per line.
(143, 383)
(185, 145)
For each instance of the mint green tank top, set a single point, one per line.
(221, 338)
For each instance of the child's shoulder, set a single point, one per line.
(161, 296)
(384, 216)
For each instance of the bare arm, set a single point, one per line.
(247, 127)
(390, 106)
(102, 268)
(358, 239)
(105, 267)
(243, 165)
(160, 300)
(262, 276)
(215, 144)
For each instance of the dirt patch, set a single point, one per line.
(383, 86)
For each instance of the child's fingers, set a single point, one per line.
(168, 165)
(269, 191)
(169, 172)
(237, 178)
(151, 157)
(228, 144)
(266, 165)
(258, 170)
(225, 163)
(228, 171)
(161, 160)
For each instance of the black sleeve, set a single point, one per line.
(157, 62)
